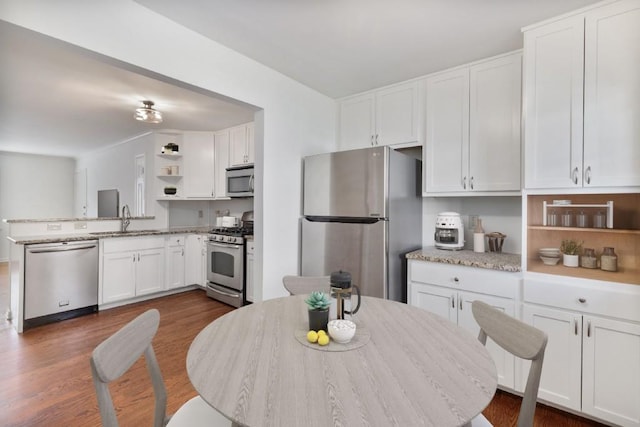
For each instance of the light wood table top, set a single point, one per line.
(416, 369)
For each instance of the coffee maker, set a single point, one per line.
(341, 290)
(449, 231)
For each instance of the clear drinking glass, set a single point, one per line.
(552, 218)
(566, 219)
(599, 220)
(582, 220)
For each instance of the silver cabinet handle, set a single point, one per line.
(138, 256)
(460, 304)
(372, 136)
(471, 183)
(453, 301)
(455, 279)
(582, 300)
(587, 175)
(575, 326)
(464, 183)
(575, 175)
(134, 257)
(589, 328)
(182, 254)
(60, 249)
(376, 139)
(251, 182)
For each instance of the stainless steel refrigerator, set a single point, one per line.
(362, 212)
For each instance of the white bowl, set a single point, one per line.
(341, 331)
(549, 252)
(549, 260)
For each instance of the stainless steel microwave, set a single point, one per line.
(240, 181)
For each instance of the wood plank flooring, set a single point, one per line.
(45, 379)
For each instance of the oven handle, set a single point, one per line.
(225, 245)
(221, 292)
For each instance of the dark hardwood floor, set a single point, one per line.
(45, 379)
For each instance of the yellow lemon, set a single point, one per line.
(323, 339)
(321, 332)
(312, 336)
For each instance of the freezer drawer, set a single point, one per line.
(360, 249)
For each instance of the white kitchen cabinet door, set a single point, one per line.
(436, 299)
(397, 114)
(150, 271)
(553, 106)
(198, 164)
(505, 361)
(562, 367)
(494, 124)
(221, 159)
(251, 144)
(119, 276)
(175, 264)
(250, 277)
(194, 272)
(611, 370)
(241, 150)
(357, 122)
(612, 95)
(447, 131)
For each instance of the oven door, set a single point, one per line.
(224, 265)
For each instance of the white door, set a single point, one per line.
(221, 159)
(397, 114)
(611, 370)
(150, 271)
(357, 122)
(436, 299)
(251, 152)
(447, 132)
(193, 267)
(118, 277)
(175, 267)
(612, 95)
(198, 165)
(553, 77)
(505, 361)
(238, 145)
(494, 124)
(562, 367)
(80, 194)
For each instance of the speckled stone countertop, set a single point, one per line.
(488, 260)
(32, 240)
(81, 219)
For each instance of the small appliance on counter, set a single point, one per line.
(449, 231)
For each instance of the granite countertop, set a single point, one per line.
(488, 260)
(81, 219)
(31, 240)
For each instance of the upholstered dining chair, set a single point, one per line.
(519, 339)
(115, 355)
(297, 285)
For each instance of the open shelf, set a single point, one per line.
(623, 275)
(584, 230)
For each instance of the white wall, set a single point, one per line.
(34, 187)
(503, 214)
(296, 120)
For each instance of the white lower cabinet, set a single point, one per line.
(132, 267)
(249, 277)
(195, 251)
(449, 291)
(592, 361)
(175, 264)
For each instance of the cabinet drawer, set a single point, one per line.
(608, 299)
(472, 279)
(176, 240)
(134, 244)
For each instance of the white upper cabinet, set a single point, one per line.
(473, 127)
(241, 145)
(582, 99)
(198, 153)
(447, 125)
(221, 160)
(612, 95)
(384, 117)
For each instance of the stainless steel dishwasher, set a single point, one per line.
(61, 281)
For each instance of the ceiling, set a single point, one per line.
(343, 47)
(59, 99)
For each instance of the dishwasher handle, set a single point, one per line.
(61, 249)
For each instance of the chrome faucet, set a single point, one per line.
(126, 218)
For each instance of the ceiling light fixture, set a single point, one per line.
(147, 113)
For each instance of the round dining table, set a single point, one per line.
(405, 367)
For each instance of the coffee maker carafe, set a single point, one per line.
(341, 290)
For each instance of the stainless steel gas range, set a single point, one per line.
(225, 264)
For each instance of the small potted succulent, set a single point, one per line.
(571, 252)
(318, 303)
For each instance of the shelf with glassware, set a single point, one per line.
(606, 221)
(168, 166)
